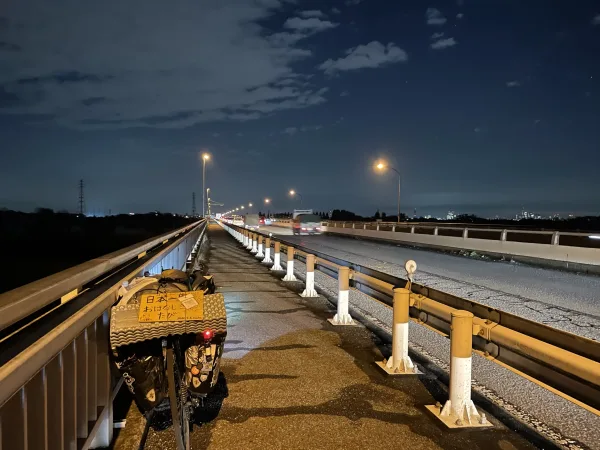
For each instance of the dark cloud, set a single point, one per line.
(147, 68)
(8, 47)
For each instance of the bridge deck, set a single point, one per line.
(293, 381)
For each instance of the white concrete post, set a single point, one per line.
(289, 274)
(310, 291)
(400, 363)
(277, 256)
(245, 238)
(250, 237)
(260, 253)
(343, 316)
(465, 233)
(267, 251)
(254, 248)
(459, 410)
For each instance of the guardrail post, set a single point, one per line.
(400, 363)
(435, 231)
(277, 257)
(245, 238)
(412, 230)
(343, 316)
(310, 291)
(250, 237)
(459, 411)
(267, 251)
(555, 238)
(254, 248)
(465, 233)
(289, 275)
(503, 235)
(260, 253)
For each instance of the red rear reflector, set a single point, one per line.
(208, 334)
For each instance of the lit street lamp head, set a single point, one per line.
(242, 207)
(250, 205)
(267, 200)
(292, 192)
(205, 156)
(381, 165)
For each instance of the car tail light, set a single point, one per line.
(303, 229)
(208, 335)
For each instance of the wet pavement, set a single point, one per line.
(291, 380)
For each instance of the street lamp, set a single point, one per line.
(382, 165)
(205, 157)
(294, 193)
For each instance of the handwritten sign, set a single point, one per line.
(172, 307)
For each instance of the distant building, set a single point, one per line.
(451, 215)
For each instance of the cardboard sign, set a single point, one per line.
(172, 307)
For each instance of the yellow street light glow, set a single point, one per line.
(292, 192)
(267, 200)
(205, 156)
(242, 207)
(381, 165)
(250, 205)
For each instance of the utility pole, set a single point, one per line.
(193, 204)
(81, 199)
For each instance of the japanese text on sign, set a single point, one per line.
(171, 307)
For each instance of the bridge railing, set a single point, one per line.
(538, 245)
(56, 385)
(566, 364)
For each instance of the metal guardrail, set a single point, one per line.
(566, 364)
(474, 231)
(56, 386)
(579, 251)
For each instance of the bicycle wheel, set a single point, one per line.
(181, 425)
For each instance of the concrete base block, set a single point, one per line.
(277, 267)
(289, 277)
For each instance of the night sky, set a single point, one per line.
(484, 106)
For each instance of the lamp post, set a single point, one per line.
(383, 166)
(249, 207)
(205, 157)
(294, 193)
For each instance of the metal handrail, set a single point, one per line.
(26, 364)
(552, 358)
(25, 300)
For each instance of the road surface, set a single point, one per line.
(564, 300)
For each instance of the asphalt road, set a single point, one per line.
(293, 381)
(564, 300)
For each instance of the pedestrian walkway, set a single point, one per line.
(291, 380)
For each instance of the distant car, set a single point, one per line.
(261, 221)
(306, 224)
(251, 221)
(268, 221)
